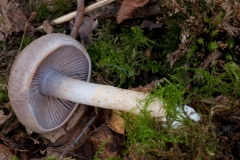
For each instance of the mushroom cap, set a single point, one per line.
(38, 112)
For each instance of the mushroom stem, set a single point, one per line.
(54, 84)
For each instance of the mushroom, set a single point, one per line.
(50, 77)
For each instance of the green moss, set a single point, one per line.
(148, 138)
(42, 12)
(101, 148)
(3, 94)
(120, 57)
(61, 6)
(26, 41)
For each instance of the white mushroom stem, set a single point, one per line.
(72, 15)
(57, 85)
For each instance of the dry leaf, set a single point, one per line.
(15, 22)
(5, 153)
(116, 123)
(147, 88)
(88, 25)
(211, 59)
(2, 37)
(111, 148)
(149, 24)
(33, 16)
(47, 27)
(3, 117)
(3, 3)
(127, 9)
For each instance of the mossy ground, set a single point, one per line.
(188, 79)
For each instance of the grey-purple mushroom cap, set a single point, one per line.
(38, 112)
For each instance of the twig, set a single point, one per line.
(33, 15)
(73, 14)
(79, 136)
(78, 19)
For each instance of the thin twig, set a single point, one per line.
(73, 14)
(79, 136)
(33, 15)
(78, 19)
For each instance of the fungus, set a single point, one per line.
(50, 77)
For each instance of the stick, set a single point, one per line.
(72, 15)
(79, 136)
(78, 19)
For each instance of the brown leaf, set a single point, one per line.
(16, 22)
(32, 16)
(113, 142)
(127, 9)
(5, 153)
(3, 3)
(47, 27)
(2, 37)
(116, 123)
(3, 117)
(174, 56)
(222, 100)
(88, 25)
(149, 24)
(211, 59)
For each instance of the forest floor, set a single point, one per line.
(182, 52)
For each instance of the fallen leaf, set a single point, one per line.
(32, 16)
(3, 3)
(127, 9)
(116, 123)
(5, 153)
(113, 143)
(3, 117)
(222, 100)
(149, 24)
(174, 56)
(210, 59)
(16, 22)
(47, 27)
(2, 37)
(88, 25)
(147, 88)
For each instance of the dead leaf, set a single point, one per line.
(112, 146)
(149, 24)
(147, 88)
(33, 16)
(116, 123)
(2, 37)
(15, 22)
(174, 56)
(3, 117)
(222, 100)
(3, 3)
(5, 153)
(47, 27)
(127, 9)
(88, 25)
(211, 59)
